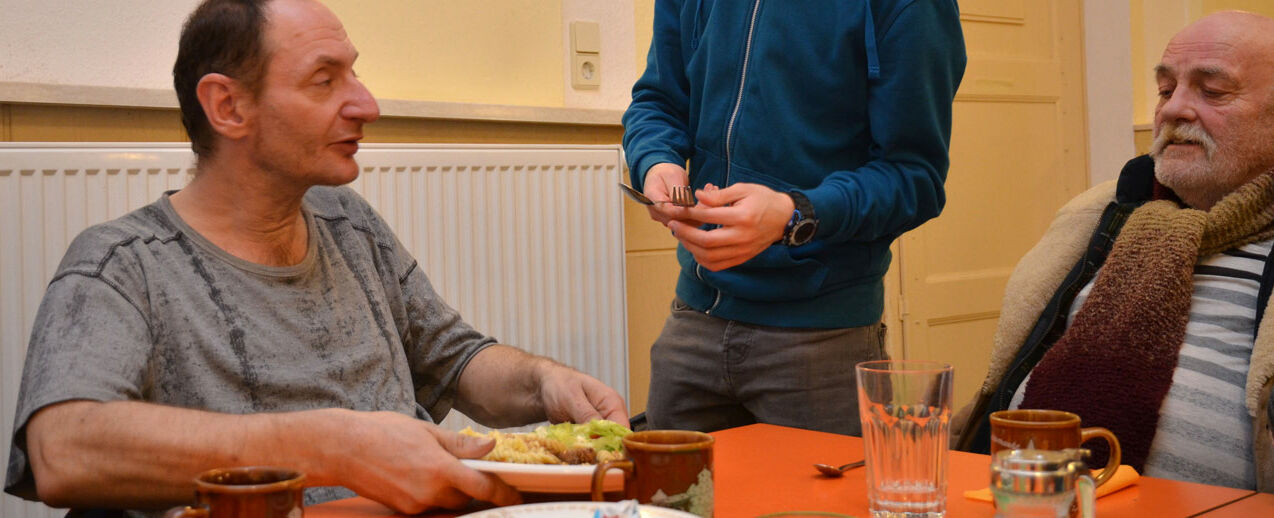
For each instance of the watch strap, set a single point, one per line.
(802, 204)
(802, 212)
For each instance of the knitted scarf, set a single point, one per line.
(1113, 366)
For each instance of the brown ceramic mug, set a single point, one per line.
(256, 492)
(668, 468)
(1049, 430)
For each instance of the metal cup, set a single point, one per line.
(1039, 483)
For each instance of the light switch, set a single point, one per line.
(586, 37)
(586, 55)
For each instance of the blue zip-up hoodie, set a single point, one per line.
(848, 101)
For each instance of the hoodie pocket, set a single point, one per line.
(773, 275)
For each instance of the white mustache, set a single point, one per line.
(1189, 132)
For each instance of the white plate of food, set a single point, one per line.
(554, 459)
(548, 478)
(576, 510)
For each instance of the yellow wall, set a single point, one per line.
(1140, 75)
(489, 52)
(1265, 7)
(52, 123)
(1142, 139)
(644, 19)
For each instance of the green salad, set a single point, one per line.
(600, 434)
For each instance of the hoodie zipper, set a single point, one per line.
(738, 99)
(729, 130)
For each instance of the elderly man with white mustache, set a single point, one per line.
(1141, 308)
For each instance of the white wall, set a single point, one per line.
(116, 43)
(619, 70)
(1108, 87)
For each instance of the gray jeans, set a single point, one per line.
(707, 373)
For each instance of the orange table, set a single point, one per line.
(1258, 504)
(765, 468)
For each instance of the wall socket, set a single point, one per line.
(586, 55)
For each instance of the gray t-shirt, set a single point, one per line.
(143, 308)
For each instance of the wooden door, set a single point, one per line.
(1018, 152)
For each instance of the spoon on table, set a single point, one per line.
(833, 471)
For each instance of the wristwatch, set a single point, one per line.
(800, 229)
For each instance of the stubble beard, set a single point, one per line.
(282, 156)
(1199, 181)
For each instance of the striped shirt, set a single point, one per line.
(1205, 432)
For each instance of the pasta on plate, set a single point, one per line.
(563, 443)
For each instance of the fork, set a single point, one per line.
(682, 196)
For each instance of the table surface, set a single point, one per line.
(1258, 504)
(765, 468)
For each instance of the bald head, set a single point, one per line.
(1214, 125)
(1240, 42)
(1243, 28)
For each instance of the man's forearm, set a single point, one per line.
(500, 387)
(139, 455)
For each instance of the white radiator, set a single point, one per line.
(525, 241)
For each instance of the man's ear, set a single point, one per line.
(226, 104)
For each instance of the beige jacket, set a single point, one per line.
(1039, 274)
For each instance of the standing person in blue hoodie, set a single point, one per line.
(815, 133)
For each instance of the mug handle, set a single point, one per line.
(188, 511)
(599, 475)
(1112, 463)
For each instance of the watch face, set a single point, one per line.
(803, 232)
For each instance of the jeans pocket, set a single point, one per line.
(881, 332)
(679, 305)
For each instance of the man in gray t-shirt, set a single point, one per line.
(261, 316)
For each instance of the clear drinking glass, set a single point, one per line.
(905, 407)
